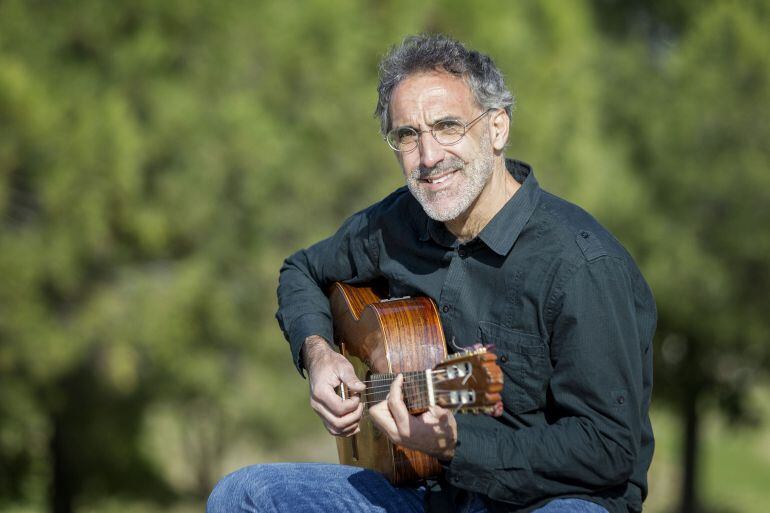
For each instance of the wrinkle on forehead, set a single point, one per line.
(424, 98)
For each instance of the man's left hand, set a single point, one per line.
(433, 432)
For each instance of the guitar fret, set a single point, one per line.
(414, 388)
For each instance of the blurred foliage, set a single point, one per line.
(159, 159)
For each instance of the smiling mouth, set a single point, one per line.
(437, 179)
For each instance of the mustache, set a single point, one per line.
(425, 173)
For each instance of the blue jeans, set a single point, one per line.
(326, 488)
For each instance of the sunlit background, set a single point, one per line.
(159, 159)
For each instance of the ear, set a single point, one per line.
(500, 124)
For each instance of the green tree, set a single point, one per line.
(158, 160)
(689, 107)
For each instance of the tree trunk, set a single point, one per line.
(691, 447)
(60, 491)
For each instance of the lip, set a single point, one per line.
(435, 186)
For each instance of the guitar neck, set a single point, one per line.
(464, 382)
(417, 388)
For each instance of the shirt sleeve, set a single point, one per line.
(595, 407)
(303, 308)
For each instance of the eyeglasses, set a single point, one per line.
(447, 132)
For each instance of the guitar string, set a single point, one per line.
(415, 390)
(392, 375)
(414, 396)
(382, 384)
(421, 401)
(413, 387)
(388, 378)
(407, 379)
(408, 388)
(411, 397)
(383, 388)
(385, 384)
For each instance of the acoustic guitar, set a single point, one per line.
(385, 337)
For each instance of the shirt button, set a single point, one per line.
(462, 253)
(621, 399)
(445, 308)
(503, 358)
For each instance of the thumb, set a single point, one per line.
(351, 380)
(439, 412)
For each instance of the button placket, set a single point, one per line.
(450, 294)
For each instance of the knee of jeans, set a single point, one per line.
(220, 497)
(233, 490)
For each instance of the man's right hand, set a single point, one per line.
(327, 369)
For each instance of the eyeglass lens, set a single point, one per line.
(445, 132)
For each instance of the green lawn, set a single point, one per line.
(734, 465)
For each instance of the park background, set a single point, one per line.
(159, 159)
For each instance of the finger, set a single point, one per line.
(444, 427)
(344, 433)
(342, 371)
(348, 376)
(349, 433)
(438, 413)
(328, 398)
(330, 369)
(337, 422)
(350, 430)
(338, 430)
(383, 420)
(397, 407)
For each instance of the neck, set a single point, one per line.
(416, 391)
(500, 188)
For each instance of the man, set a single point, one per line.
(508, 264)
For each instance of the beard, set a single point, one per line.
(469, 180)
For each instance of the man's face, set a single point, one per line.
(445, 179)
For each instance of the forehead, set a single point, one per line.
(426, 97)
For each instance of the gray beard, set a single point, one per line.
(476, 172)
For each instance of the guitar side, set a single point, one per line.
(388, 336)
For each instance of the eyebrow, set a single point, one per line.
(439, 120)
(446, 118)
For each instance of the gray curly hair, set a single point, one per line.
(429, 52)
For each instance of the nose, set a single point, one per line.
(431, 152)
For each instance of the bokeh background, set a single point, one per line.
(159, 159)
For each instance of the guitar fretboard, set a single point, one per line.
(415, 387)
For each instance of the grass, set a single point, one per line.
(734, 463)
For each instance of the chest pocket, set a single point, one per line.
(524, 361)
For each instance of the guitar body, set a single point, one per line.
(389, 336)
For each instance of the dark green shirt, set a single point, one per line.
(567, 311)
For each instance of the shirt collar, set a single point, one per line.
(504, 228)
